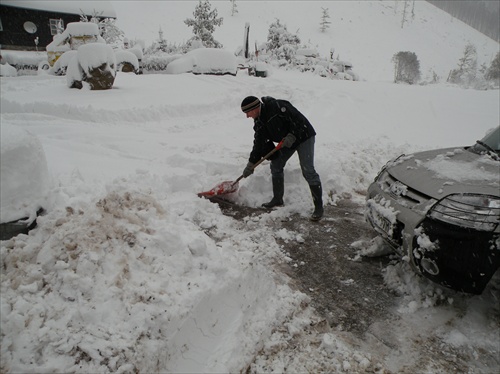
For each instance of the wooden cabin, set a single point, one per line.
(31, 25)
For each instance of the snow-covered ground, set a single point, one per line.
(130, 271)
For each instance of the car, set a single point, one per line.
(213, 61)
(440, 210)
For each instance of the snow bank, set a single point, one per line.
(25, 178)
(7, 70)
(132, 282)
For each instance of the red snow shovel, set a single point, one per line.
(227, 187)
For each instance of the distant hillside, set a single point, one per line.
(483, 15)
(365, 33)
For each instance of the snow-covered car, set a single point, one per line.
(440, 210)
(205, 61)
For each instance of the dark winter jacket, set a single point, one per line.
(277, 119)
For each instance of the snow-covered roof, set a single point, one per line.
(71, 7)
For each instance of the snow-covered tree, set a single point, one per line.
(466, 72)
(234, 7)
(281, 42)
(493, 72)
(203, 24)
(111, 33)
(325, 23)
(406, 67)
(162, 42)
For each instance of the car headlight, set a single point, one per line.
(480, 212)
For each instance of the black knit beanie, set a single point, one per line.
(249, 103)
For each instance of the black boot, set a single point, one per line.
(278, 191)
(317, 195)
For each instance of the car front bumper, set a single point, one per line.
(462, 259)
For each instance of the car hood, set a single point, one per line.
(441, 172)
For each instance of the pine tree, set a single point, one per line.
(325, 24)
(162, 43)
(466, 71)
(203, 25)
(493, 72)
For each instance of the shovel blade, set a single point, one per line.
(221, 189)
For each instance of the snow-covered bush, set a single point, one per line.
(95, 65)
(24, 174)
(158, 61)
(281, 42)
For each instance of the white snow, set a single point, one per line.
(126, 56)
(25, 177)
(447, 168)
(82, 29)
(93, 55)
(6, 70)
(130, 270)
(204, 61)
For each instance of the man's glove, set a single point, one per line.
(288, 140)
(248, 170)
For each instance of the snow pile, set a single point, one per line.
(204, 61)
(6, 70)
(132, 282)
(93, 55)
(61, 65)
(25, 176)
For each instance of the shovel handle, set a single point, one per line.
(277, 148)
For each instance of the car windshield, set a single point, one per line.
(490, 143)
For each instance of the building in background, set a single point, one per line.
(31, 25)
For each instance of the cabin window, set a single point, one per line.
(56, 26)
